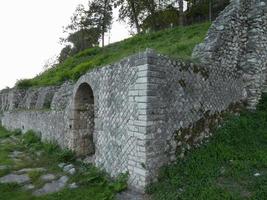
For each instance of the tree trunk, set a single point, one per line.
(152, 7)
(210, 11)
(181, 12)
(104, 22)
(135, 16)
(103, 39)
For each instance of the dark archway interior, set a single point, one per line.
(83, 125)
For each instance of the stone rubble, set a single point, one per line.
(48, 177)
(15, 178)
(52, 187)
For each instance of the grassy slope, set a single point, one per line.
(93, 184)
(177, 43)
(225, 168)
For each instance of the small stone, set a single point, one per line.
(15, 154)
(16, 160)
(61, 165)
(29, 187)
(72, 171)
(14, 178)
(220, 28)
(3, 167)
(257, 174)
(52, 187)
(48, 177)
(73, 186)
(222, 170)
(67, 168)
(39, 153)
(27, 170)
(262, 4)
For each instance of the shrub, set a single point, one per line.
(121, 182)
(61, 155)
(35, 175)
(16, 132)
(30, 138)
(24, 83)
(65, 155)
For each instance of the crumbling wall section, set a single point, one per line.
(237, 41)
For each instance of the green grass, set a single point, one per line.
(224, 168)
(93, 183)
(177, 43)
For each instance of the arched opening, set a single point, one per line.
(83, 124)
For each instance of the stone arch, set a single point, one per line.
(83, 120)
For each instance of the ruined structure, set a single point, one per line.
(138, 114)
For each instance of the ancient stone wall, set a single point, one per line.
(34, 109)
(115, 128)
(140, 113)
(128, 116)
(184, 102)
(237, 41)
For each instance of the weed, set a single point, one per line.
(35, 175)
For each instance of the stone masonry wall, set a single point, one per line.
(184, 101)
(140, 113)
(140, 106)
(237, 41)
(31, 110)
(119, 116)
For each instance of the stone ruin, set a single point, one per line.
(138, 114)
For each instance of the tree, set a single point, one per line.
(201, 10)
(131, 10)
(87, 27)
(164, 17)
(82, 31)
(51, 62)
(101, 13)
(65, 53)
(149, 7)
(181, 12)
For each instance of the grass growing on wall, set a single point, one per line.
(232, 166)
(176, 42)
(93, 183)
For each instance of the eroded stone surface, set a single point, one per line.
(14, 178)
(52, 187)
(132, 195)
(16, 154)
(4, 167)
(27, 170)
(73, 186)
(29, 187)
(48, 177)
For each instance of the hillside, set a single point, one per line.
(177, 43)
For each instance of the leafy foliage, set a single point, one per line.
(165, 18)
(86, 27)
(23, 83)
(201, 10)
